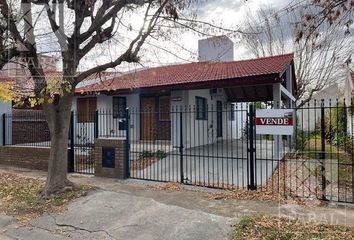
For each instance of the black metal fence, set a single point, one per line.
(25, 128)
(218, 146)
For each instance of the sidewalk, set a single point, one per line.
(198, 199)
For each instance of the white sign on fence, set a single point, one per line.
(275, 121)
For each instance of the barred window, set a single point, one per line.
(201, 108)
(119, 107)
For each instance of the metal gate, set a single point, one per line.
(198, 152)
(81, 142)
(214, 146)
(316, 161)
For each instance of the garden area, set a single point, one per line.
(325, 155)
(269, 227)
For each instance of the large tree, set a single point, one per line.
(93, 23)
(76, 30)
(326, 14)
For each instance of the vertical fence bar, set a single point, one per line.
(4, 129)
(251, 150)
(71, 159)
(96, 124)
(127, 144)
(323, 151)
(181, 145)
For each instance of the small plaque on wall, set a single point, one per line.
(108, 157)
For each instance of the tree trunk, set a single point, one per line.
(58, 118)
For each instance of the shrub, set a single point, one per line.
(301, 140)
(149, 154)
(336, 124)
(146, 154)
(160, 154)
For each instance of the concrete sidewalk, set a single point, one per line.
(132, 210)
(110, 215)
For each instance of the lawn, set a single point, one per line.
(18, 197)
(339, 163)
(269, 228)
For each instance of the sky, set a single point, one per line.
(180, 48)
(226, 13)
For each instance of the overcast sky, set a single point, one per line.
(230, 13)
(183, 47)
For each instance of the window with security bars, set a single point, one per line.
(201, 108)
(119, 107)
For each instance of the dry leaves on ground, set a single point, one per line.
(168, 187)
(18, 196)
(267, 227)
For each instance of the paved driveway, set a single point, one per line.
(110, 215)
(219, 164)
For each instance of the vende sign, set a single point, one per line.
(275, 121)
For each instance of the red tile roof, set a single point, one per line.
(191, 73)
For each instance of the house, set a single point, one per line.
(309, 116)
(349, 95)
(200, 91)
(5, 107)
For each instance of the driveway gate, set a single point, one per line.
(316, 161)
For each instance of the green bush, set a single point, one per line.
(149, 154)
(160, 154)
(336, 124)
(301, 140)
(146, 154)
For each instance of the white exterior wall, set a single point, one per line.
(216, 49)
(348, 95)
(109, 126)
(195, 132)
(308, 117)
(201, 132)
(4, 108)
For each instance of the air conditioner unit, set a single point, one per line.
(215, 91)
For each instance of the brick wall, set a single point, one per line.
(25, 157)
(119, 171)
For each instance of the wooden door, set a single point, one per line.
(148, 118)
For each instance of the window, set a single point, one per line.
(119, 107)
(201, 108)
(164, 108)
(86, 108)
(232, 112)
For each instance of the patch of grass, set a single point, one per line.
(18, 196)
(338, 162)
(268, 228)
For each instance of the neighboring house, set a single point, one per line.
(310, 114)
(201, 85)
(349, 98)
(5, 107)
(21, 79)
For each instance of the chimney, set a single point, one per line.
(216, 49)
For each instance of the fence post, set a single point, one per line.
(4, 129)
(323, 151)
(96, 124)
(181, 145)
(127, 144)
(251, 150)
(71, 159)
